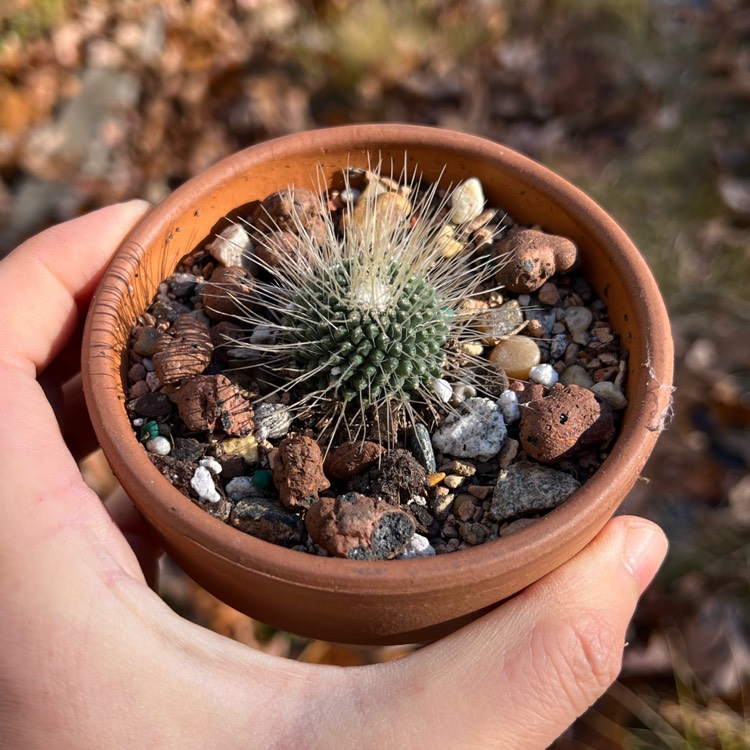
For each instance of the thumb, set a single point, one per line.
(518, 677)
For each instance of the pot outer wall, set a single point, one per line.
(374, 602)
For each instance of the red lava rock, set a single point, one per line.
(228, 293)
(530, 257)
(278, 248)
(352, 458)
(359, 527)
(548, 294)
(184, 350)
(298, 472)
(568, 419)
(294, 210)
(208, 401)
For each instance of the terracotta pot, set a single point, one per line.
(402, 600)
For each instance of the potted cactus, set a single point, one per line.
(357, 350)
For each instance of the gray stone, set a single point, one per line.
(272, 421)
(558, 345)
(420, 445)
(146, 341)
(525, 488)
(267, 520)
(576, 375)
(475, 430)
(578, 319)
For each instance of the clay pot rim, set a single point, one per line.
(572, 523)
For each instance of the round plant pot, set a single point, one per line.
(374, 602)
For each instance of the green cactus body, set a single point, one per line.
(369, 338)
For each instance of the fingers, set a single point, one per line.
(46, 508)
(519, 677)
(45, 281)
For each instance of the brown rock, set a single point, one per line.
(358, 527)
(208, 401)
(396, 478)
(352, 458)
(528, 258)
(294, 210)
(278, 248)
(564, 422)
(184, 350)
(298, 472)
(229, 293)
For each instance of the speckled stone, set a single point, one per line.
(525, 488)
(266, 519)
(475, 430)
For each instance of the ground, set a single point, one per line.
(643, 104)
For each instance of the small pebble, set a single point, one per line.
(159, 445)
(146, 341)
(417, 546)
(543, 374)
(247, 447)
(203, 484)
(211, 464)
(420, 443)
(612, 394)
(462, 391)
(447, 242)
(467, 201)
(453, 481)
(508, 403)
(272, 421)
(435, 478)
(473, 533)
(231, 246)
(578, 319)
(442, 389)
(241, 487)
(473, 348)
(548, 294)
(262, 479)
(516, 355)
(576, 375)
(152, 381)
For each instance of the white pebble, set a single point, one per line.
(152, 381)
(462, 391)
(476, 430)
(231, 246)
(442, 389)
(139, 422)
(203, 484)
(417, 546)
(241, 487)
(508, 403)
(544, 375)
(159, 445)
(212, 464)
(610, 393)
(467, 201)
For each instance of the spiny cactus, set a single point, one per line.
(368, 349)
(364, 310)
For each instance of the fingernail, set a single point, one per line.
(644, 550)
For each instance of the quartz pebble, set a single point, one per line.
(498, 322)
(467, 201)
(543, 374)
(230, 246)
(417, 546)
(159, 446)
(211, 464)
(203, 484)
(508, 402)
(442, 389)
(516, 356)
(612, 394)
(476, 430)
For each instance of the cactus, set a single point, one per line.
(365, 311)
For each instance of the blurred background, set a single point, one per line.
(645, 104)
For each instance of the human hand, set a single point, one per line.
(90, 657)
